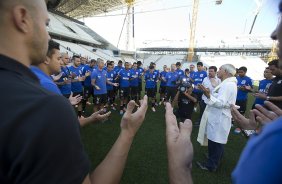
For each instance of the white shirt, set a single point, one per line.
(218, 111)
(210, 83)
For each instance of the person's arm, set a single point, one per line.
(223, 95)
(179, 148)
(193, 99)
(94, 118)
(110, 170)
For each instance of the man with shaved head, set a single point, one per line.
(39, 132)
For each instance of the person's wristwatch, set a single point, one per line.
(268, 98)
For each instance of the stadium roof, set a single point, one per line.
(88, 8)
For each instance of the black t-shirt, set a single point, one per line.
(185, 106)
(276, 90)
(39, 131)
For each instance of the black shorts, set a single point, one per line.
(66, 95)
(100, 99)
(162, 89)
(243, 106)
(124, 92)
(140, 87)
(151, 92)
(170, 93)
(110, 93)
(116, 89)
(134, 90)
(88, 91)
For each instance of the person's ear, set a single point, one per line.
(47, 60)
(22, 19)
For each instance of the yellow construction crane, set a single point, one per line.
(193, 28)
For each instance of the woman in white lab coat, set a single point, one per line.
(216, 120)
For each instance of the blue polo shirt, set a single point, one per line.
(198, 78)
(163, 74)
(134, 77)
(45, 80)
(150, 79)
(66, 88)
(261, 160)
(192, 73)
(263, 88)
(76, 87)
(247, 81)
(87, 81)
(117, 69)
(100, 77)
(125, 76)
(141, 71)
(171, 79)
(180, 72)
(110, 77)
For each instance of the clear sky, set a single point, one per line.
(169, 19)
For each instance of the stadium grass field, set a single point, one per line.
(147, 160)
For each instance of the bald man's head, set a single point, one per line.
(23, 23)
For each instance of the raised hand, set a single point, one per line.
(179, 148)
(74, 99)
(265, 116)
(131, 122)
(242, 121)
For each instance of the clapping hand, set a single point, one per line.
(131, 122)
(179, 146)
(74, 100)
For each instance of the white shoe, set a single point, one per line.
(113, 108)
(153, 109)
(195, 109)
(121, 112)
(160, 103)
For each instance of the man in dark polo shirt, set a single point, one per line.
(37, 143)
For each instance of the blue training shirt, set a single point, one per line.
(171, 79)
(243, 81)
(45, 80)
(263, 88)
(76, 72)
(150, 79)
(141, 71)
(162, 75)
(66, 88)
(85, 70)
(198, 78)
(125, 75)
(134, 77)
(100, 77)
(261, 160)
(180, 72)
(111, 75)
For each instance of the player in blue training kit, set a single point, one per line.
(98, 81)
(245, 85)
(172, 81)
(124, 82)
(111, 75)
(76, 80)
(162, 89)
(150, 80)
(88, 88)
(264, 86)
(198, 78)
(134, 81)
(117, 69)
(141, 71)
(64, 83)
(178, 69)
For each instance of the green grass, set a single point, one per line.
(147, 160)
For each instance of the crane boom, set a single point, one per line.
(193, 30)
